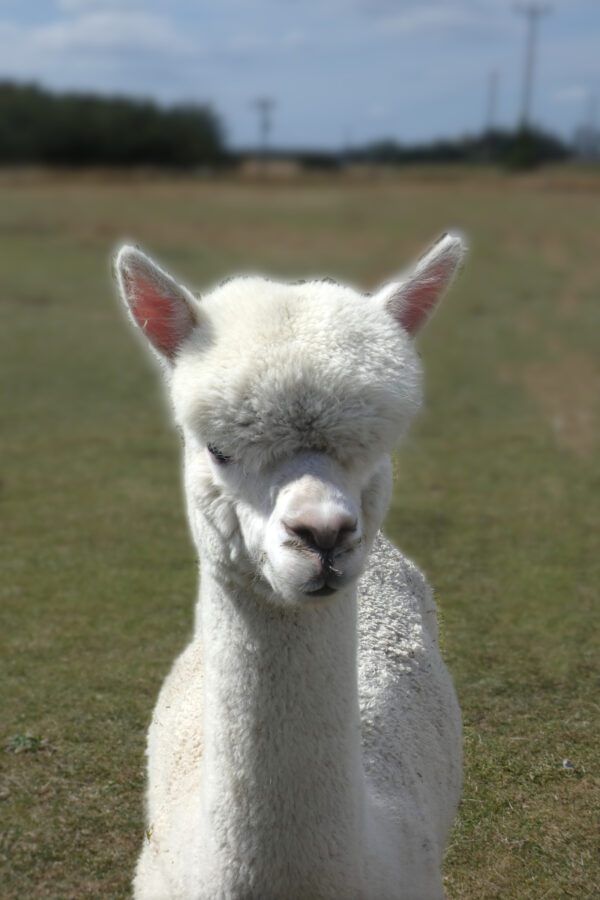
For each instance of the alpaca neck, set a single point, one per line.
(283, 774)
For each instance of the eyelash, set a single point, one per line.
(218, 457)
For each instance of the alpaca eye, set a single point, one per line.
(217, 455)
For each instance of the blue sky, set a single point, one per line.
(340, 71)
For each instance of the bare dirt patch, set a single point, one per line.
(568, 394)
(583, 283)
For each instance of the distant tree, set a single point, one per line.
(37, 126)
(516, 149)
(531, 147)
(587, 142)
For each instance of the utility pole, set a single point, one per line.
(347, 145)
(532, 11)
(592, 110)
(490, 116)
(264, 107)
(492, 96)
(587, 136)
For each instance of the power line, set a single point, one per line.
(532, 12)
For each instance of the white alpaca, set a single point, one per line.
(306, 744)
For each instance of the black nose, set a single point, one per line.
(321, 537)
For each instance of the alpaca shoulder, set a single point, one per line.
(397, 612)
(410, 719)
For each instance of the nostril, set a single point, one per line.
(308, 536)
(319, 537)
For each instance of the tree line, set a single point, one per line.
(523, 148)
(518, 149)
(78, 129)
(38, 126)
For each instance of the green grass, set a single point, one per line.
(496, 497)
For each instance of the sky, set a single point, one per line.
(340, 72)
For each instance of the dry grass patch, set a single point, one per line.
(567, 392)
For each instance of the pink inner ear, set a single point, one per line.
(166, 321)
(421, 296)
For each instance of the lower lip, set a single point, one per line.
(324, 591)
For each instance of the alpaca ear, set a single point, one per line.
(162, 309)
(413, 300)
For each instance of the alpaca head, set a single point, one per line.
(290, 399)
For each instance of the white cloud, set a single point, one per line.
(435, 17)
(255, 43)
(138, 53)
(70, 6)
(114, 32)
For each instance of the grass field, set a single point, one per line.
(496, 497)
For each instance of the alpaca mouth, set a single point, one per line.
(325, 591)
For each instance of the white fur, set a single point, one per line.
(303, 746)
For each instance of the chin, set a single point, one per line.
(316, 592)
